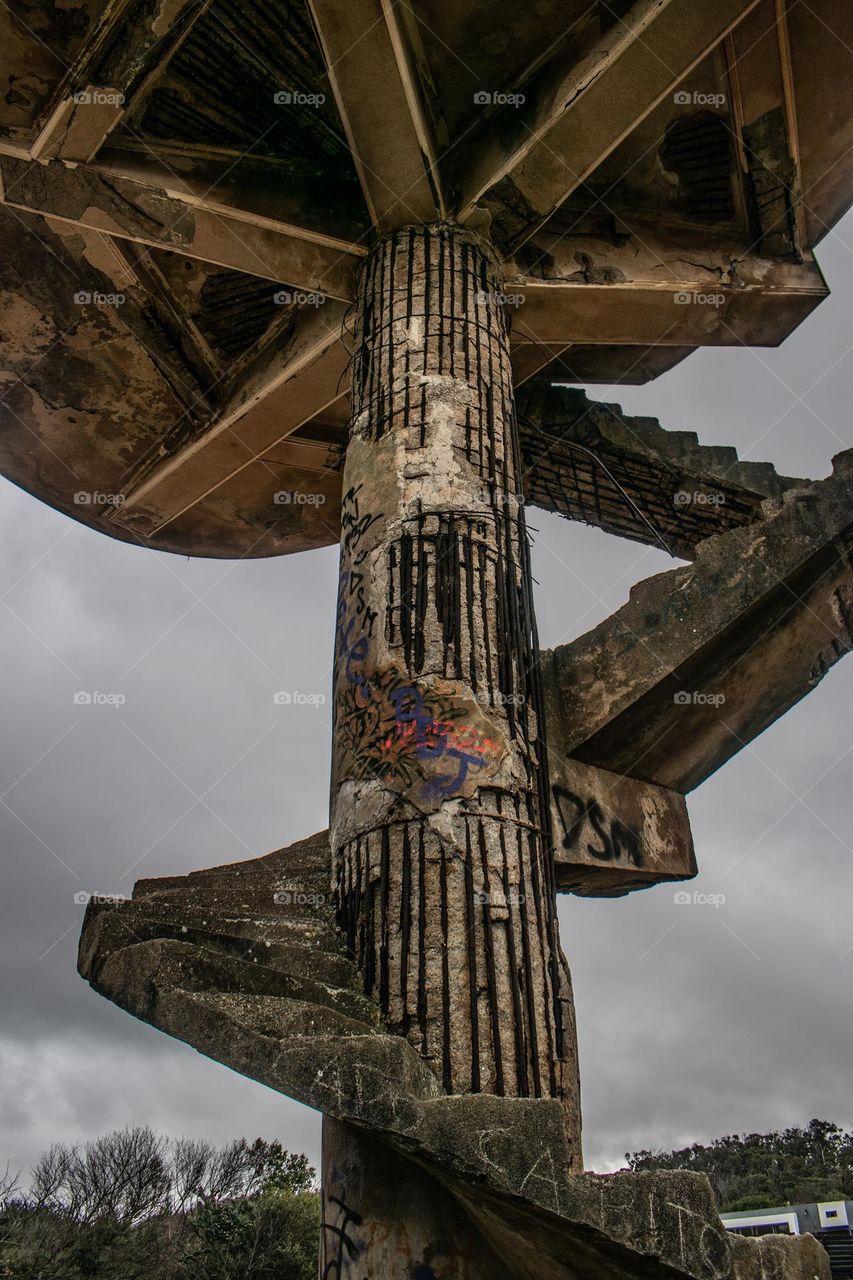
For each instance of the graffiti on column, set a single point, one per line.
(444, 888)
(387, 727)
(346, 1246)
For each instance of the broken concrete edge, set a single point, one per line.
(613, 834)
(503, 1158)
(589, 885)
(652, 1231)
(737, 569)
(569, 413)
(588, 461)
(513, 1151)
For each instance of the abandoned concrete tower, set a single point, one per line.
(367, 254)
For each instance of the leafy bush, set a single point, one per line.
(135, 1206)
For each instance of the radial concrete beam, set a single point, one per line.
(381, 85)
(172, 217)
(130, 46)
(614, 834)
(577, 111)
(591, 364)
(649, 286)
(284, 386)
(703, 659)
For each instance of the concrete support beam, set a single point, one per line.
(614, 834)
(765, 128)
(657, 287)
(172, 217)
(577, 112)
(703, 659)
(381, 85)
(131, 44)
(285, 385)
(590, 364)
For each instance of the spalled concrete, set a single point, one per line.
(669, 688)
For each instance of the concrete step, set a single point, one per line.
(265, 904)
(309, 1054)
(265, 898)
(142, 975)
(311, 854)
(282, 1017)
(296, 1045)
(252, 878)
(194, 967)
(335, 969)
(307, 864)
(702, 659)
(281, 926)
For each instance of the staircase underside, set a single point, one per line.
(244, 963)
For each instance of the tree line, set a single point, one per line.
(763, 1170)
(133, 1205)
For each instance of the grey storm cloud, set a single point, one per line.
(724, 1013)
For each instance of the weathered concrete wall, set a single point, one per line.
(668, 688)
(440, 814)
(614, 834)
(384, 1216)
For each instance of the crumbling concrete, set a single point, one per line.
(440, 824)
(669, 688)
(628, 475)
(237, 963)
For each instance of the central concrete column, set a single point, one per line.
(440, 817)
(384, 1218)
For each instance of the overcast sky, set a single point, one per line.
(694, 1021)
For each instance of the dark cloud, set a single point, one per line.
(694, 1019)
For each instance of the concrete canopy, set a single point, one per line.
(188, 191)
(186, 208)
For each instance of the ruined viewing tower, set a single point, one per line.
(280, 277)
